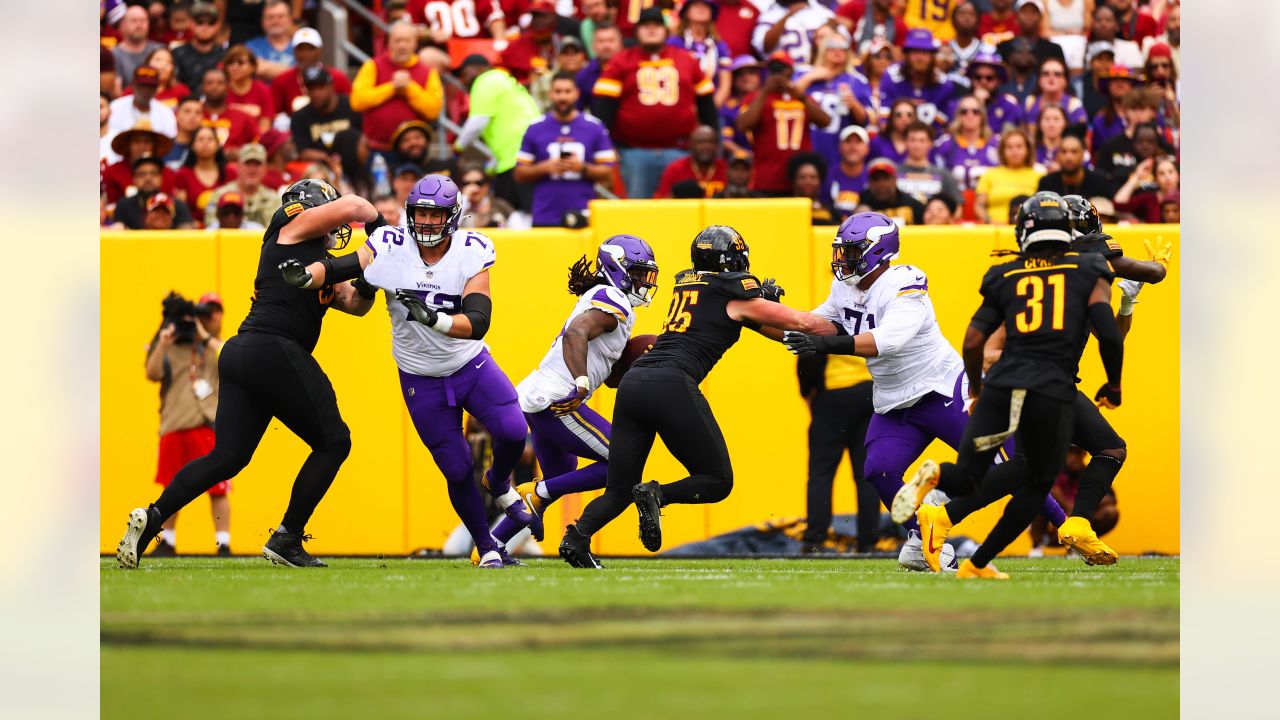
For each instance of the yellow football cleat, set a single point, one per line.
(969, 571)
(529, 493)
(1077, 534)
(911, 495)
(934, 526)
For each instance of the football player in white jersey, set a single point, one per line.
(919, 391)
(581, 358)
(437, 283)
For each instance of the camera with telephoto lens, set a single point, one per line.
(182, 313)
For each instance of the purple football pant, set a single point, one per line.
(436, 403)
(559, 442)
(897, 438)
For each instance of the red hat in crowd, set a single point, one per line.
(160, 201)
(1117, 72)
(884, 165)
(147, 75)
(272, 140)
(231, 198)
(1159, 50)
(543, 6)
(211, 298)
(782, 56)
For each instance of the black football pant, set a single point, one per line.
(263, 376)
(839, 424)
(1043, 434)
(666, 403)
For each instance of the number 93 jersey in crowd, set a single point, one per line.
(698, 329)
(395, 264)
(551, 380)
(914, 358)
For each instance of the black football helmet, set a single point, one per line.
(312, 193)
(720, 248)
(1043, 218)
(1084, 216)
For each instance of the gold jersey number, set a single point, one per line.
(1032, 288)
(658, 85)
(679, 315)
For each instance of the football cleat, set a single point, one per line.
(912, 494)
(648, 497)
(969, 571)
(934, 526)
(1077, 534)
(529, 493)
(911, 556)
(224, 551)
(936, 497)
(521, 513)
(575, 549)
(143, 527)
(286, 549)
(507, 558)
(492, 560)
(947, 558)
(163, 549)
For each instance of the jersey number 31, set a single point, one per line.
(1032, 288)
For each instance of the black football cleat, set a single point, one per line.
(224, 551)
(575, 549)
(163, 549)
(649, 505)
(144, 526)
(286, 549)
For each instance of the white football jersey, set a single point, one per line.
(551, 380)
(396, 265)
(797, 40)
(914, 358)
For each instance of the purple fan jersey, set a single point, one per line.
(882, 147)
(1003, 110)
(846, 190)
(1103, 130)
(712, 55)
(933, 101)
(583, 138)
(1072, 106)
(826, 140)
(729, 123)
(967, 161)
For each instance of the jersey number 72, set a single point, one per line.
(1032, 288)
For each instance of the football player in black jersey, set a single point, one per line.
(1047, 299)
(659, 395)
(267, 371)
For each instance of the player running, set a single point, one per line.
(1046, 300)
(918, 381)
(267, 371)
(659, 395)
(581, 358)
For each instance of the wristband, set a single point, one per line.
(582, 382)
(1126, 305)
(443, 324)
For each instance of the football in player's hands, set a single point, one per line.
(799, 343)
(636, 346)
(1107, 397)
(418, 310)
(771, 290)
(295, 273)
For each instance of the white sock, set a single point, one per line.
(541, 490)
(508, 498)
(223, 537)
(169, 536)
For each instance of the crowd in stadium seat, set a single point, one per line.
(931, 111)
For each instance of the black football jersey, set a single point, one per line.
(1098, 242)
(698, 329)
(278, 307)
(1044, 305)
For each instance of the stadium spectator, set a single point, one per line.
(280, 152)
(1072, 176)
(501, 112)
(482, 209)
(563, 155)
(698, 36)
(835, 90)
(792, 20)
(872, 21)
(203, 51)
(998, 24)
(595, 14)
(917, 79)
(703, 166)
(179, 24)
(411, 144)
(289, 89)
(260, 201)
(883, 195)
(325, 129)
(185, 363)
(1100, 59)
(402, 182)
(134, 43)
(1172, 36)
(245, 92)
(1068, 17)
(1115, 85)
(918, 176)
(891, 143)
(235, 129)
(778, 118)
(148, 180)
(230, 214)
(1030, 17)
(1118, 156)
(204, 170)
(1144, 193)
(970, 147)
(274, 47)
(1053, 91)
(876, 59)
(106, 155)
(132, 145)
(735, 24)
(1015, 175)
(571, 57)
(1135, 24)
(745, 74)
(940, 210)
(965, 43)
(244, 18)
(108, 82)
(605, 43)
(439, 21)
(738, 179)
(532, 54)
(1170, 208)
(393, 212)
(142, 106)
(1106, 28)
(1162, 74)
(395, 87)
(806, 171)
(1021, 63)
(848, 179)
(651, 97)
(168, 90)
(1048, 134)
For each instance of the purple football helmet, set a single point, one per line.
(433, 192)
(627, 263)
(863, 243)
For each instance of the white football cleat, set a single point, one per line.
(936, 497)
(947, 559)
(911, 556)
(491, 560)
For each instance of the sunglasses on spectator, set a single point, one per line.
(478, 182)
(968, 111)
(1051, 73)
(985, 76)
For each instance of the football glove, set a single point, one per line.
(771, 290)
(1162, 255)
(1107, 397)
(799, 343)
(364, 289)
(418, 310)
(1129, 290)
(569, 403)
(295, 273)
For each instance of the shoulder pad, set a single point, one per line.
(611, 300)
(1099, 265)
(738, 285)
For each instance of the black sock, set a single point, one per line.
(194, 479)
(603, 510)
(313, 482)
(953, 481)
(1095, 483)
(696, 490)
(1018, 514)
(1001, 480)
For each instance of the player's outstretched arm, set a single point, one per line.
(1110, 343)
(349, 299)
(770, 314)
(316, 221)
(1152, 270)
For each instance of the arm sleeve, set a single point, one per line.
(365, 94)
(708, 113)
(1110, 342)
(474, 126)
(903, 318)
(989, 315)
(427, 99)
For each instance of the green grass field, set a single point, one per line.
(208, 638)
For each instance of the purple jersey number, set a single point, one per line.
(856, 316)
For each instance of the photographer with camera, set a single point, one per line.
(183, 358)
(778, 117)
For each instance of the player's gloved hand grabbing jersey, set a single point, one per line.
(801, 344)
(295, 273)
(418, 310)
(1107, 397)
(771, 290)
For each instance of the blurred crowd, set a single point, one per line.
(930, 111)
